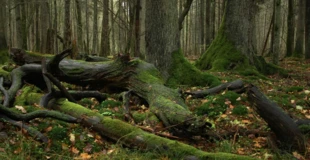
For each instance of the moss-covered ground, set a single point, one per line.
(227, 111)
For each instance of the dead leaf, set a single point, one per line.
(21, 108)
(48, 129)
(64, 146)
(72, 138)
(85, 156)
(298, 156)
(88, 148)
(75, 150)
(18, 150)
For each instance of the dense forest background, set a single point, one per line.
(108, 27)
(154, 79)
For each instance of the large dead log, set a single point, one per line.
(122, 74)
(285, 129)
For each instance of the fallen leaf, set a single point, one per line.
(74, 150)
(48, 129)
(85, 156)
(298, 156)
(21, 108)
(72, 138)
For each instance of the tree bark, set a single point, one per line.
(67, 25)
(105, 36)
(95, 28)
(300, 30)
(290, 29)
(307, 31)
(162, 17)
(276, 32)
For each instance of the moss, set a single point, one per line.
(58, 133)
(28, 95)
(182, 72)
(4, 73)
(148, 73)
(304, 128)
(139, 117)
(294, 89)
(222, 55)
(110, 104)
(4, 56)
(240, 110)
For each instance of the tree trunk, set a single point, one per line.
(79, 26)
(67, 26)
(3, 43)
(290, 29)
(44, 21)
(277, 32)
(19, 24)
(300, 30)
(95, 28)
(162, 18)
(234, 30)
(307, 31)
(105, 36)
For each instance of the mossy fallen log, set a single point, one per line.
(132, 136)
(121, 74)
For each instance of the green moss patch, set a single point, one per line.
(184, 73)
(4, 56)
(240, 110)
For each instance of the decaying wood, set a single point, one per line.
(280, 123)
(234, 85)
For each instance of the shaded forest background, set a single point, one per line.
(108, 27)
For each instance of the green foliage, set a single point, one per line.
(58, 133)
(240, 110)
(27, 91)
(110, 104)
(294, 89)
(304, 128)
(216, 104)
(4, 56)
(182, 72)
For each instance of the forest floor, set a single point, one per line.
(246, 132)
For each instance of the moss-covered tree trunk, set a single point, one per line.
(233, 41)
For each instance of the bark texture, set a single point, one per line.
(162, 34)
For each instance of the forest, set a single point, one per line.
(155, 79)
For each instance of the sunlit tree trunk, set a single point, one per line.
(300, 30)
(162, 33)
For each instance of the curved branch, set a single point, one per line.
(37, 114)
(31, 131)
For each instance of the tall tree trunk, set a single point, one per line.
(234, 38)
(95, 27)
(3, 43)
(277, 32)
(208, 23)
(19, 25)
(55, 27)
(142, 18)
(162, 35)
(79, 26)
(105, 37)
(137, 29)
(37, 31)
(290, 29)
(44, 21)
(307, 31)
(67, 26)
(300, 30)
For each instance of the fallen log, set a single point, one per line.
(234, 85)
(121, 74)
(285, 129)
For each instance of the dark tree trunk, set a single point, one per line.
(307, 31)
